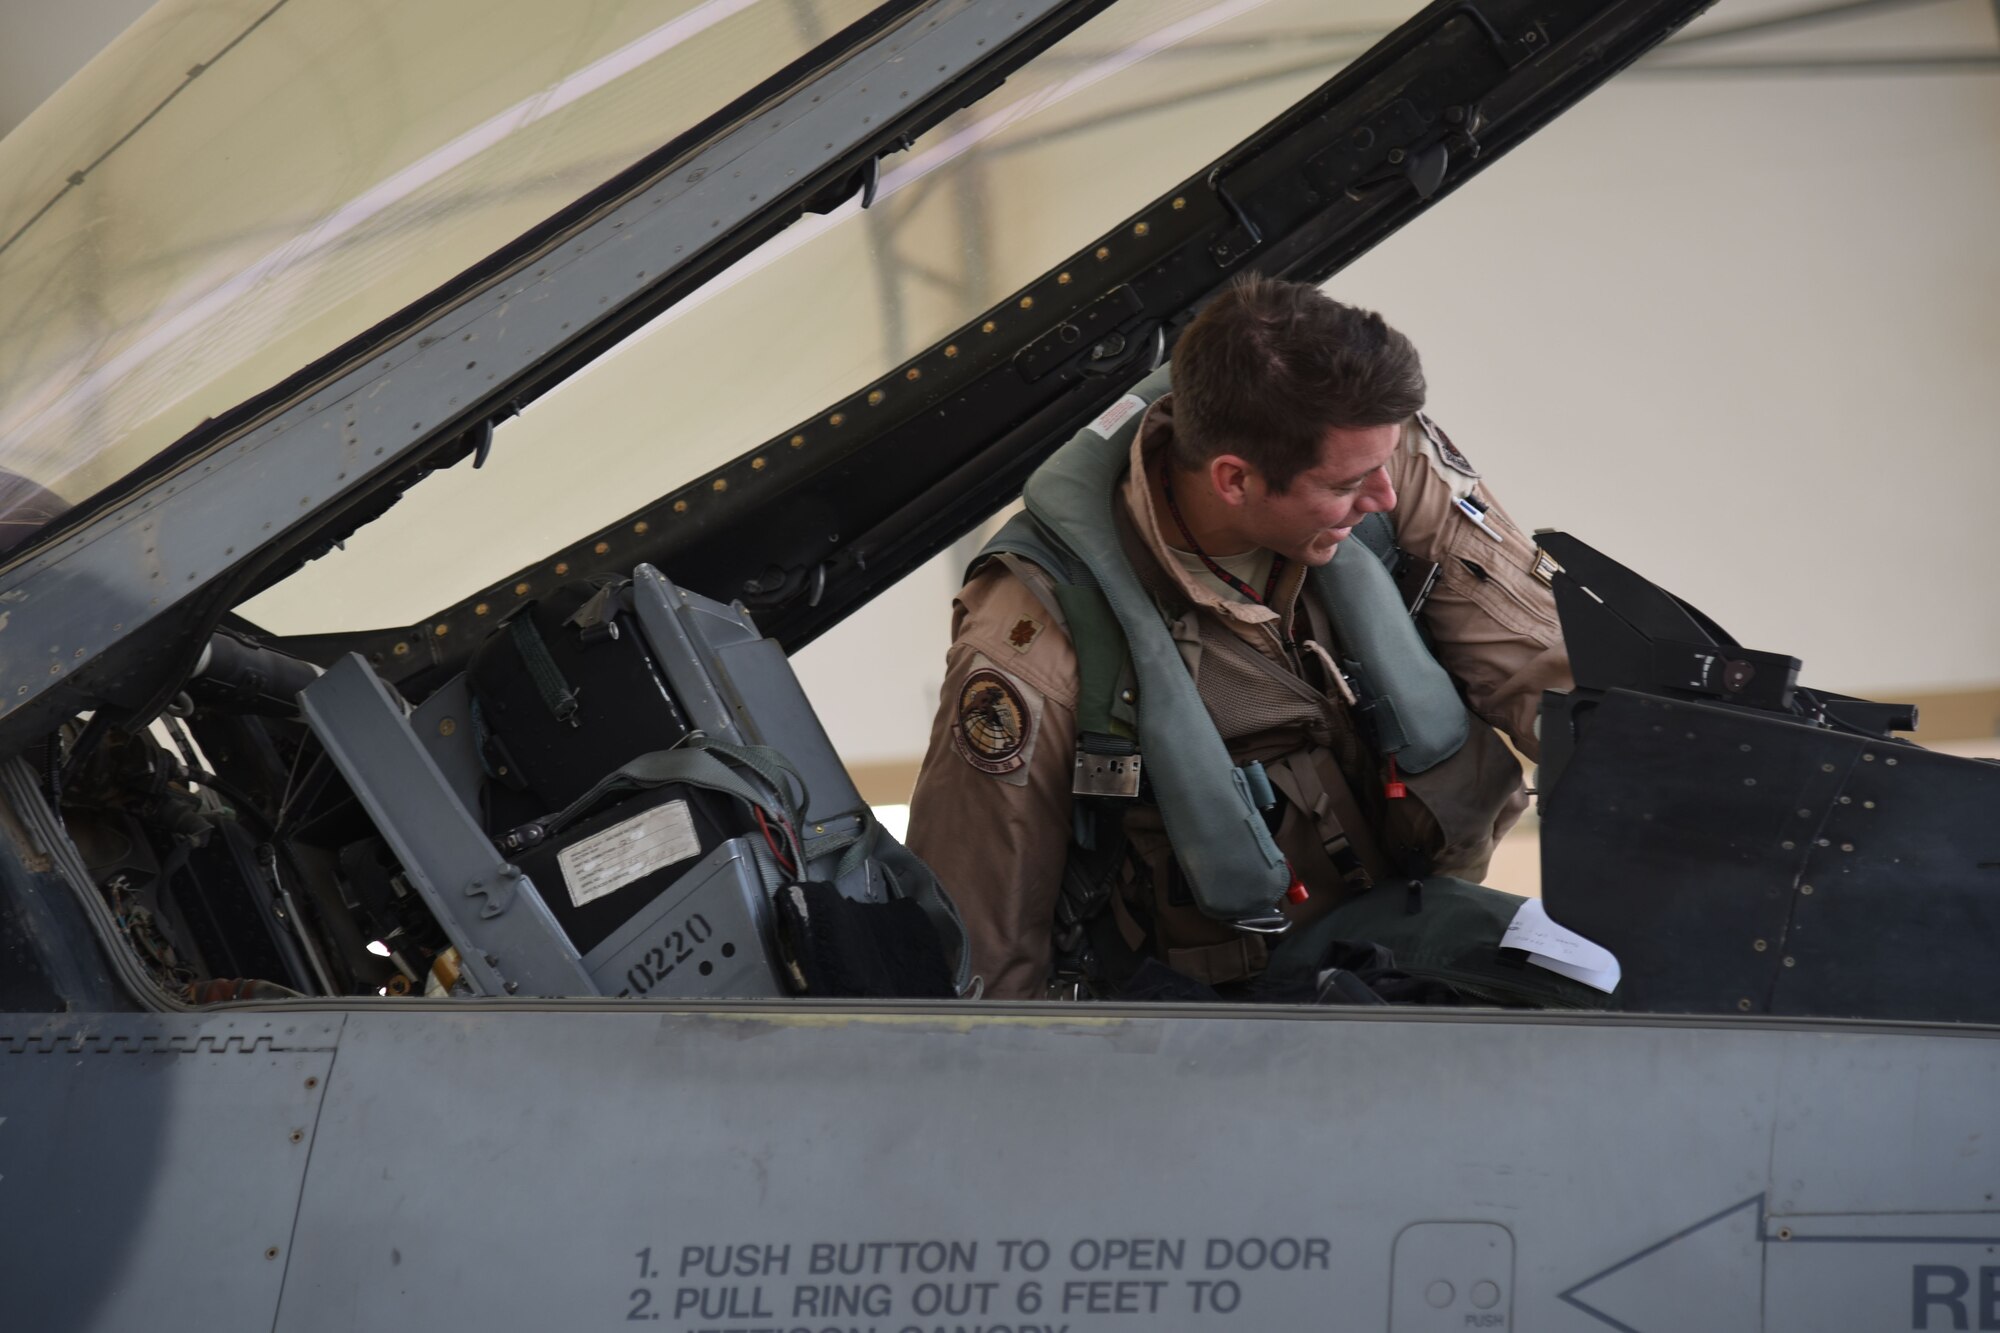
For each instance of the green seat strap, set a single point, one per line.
(693, 764)
(698, 762)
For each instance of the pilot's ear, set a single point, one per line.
(1229, 477)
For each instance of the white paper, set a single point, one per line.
(630, 850)
(1560, 949)
(1116, 415)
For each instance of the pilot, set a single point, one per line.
(1368, 751)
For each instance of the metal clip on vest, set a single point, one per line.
(1274, 924)
(1107, 769)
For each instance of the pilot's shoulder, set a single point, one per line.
(999, 615)
(1426, 456)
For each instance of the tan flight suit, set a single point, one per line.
(992, 810)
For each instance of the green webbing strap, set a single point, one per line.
(542, 669)
(1101, 656)
(767, 764)
(694, 764)
(855, 844)
(698, 762)
(1104, 663)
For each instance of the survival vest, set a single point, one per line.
(1139, 711)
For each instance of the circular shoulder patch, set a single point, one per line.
(1448, 452)
(993, 722)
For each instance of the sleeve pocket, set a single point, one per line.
(1491, 577)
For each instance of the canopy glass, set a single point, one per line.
(235, 188)
(1074, 142)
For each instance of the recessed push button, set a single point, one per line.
(1451, 1277)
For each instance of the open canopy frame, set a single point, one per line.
(112, 607)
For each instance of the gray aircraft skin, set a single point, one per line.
(1798, 1136)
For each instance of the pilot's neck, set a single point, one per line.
(1210, 520)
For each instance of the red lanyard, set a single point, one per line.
(1277, 561)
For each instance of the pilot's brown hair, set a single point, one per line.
(1269, 366)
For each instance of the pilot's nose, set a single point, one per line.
(1378, 494)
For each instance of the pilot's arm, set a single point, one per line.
(991, 814)
(1491, 617)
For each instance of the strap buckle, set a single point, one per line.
(1106, 774)
(1106, 766)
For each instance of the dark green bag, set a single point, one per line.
(1445, 929)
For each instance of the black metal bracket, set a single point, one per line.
(1117, 351)
(1097, 332)
(1513, 51)
(1239, 240)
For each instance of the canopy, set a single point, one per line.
(259, 184)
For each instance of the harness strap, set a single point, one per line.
(1101, 658)
(695, 762)
(557, 695)
(770, 783)
(1316, 801)
(1089, 875)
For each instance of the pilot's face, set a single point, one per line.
(1309, 519)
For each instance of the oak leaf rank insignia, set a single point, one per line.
(1022, 637)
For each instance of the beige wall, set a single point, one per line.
(43, 42)
(1757, 364)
